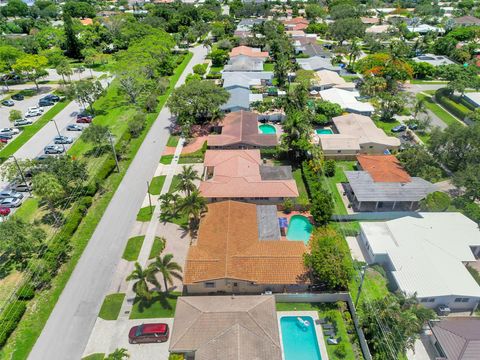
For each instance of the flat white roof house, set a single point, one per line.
(347, 101)
(435, 60)
(425, 255)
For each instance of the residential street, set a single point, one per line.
(68, 328)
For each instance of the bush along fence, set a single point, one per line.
(443, 97)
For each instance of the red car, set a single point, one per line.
(4, 211)
(148, 333)
(84, 119)
(3, 140)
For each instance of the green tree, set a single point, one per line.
(219, 57)
(32, 67)
(347, 29)
(142, 278)
(314, 11)
(72, 44)
(118, 354)
(64, 69)
(329, 261)
(168, 268)
(193, 205)
(15, 8)
(87, 92)
(420, 107)
(15, 115)
(281, 69)
(296, 135)
(468, 180)
(321, 207)
(186, 179)
(96, 134)
(47, 187)
(417, 161)
(436, 201)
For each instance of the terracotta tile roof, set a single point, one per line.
(248, 51)
(228, 247)
(237, 175)
(384, 168)
(241, 127)
(297, 20)
(86, 21)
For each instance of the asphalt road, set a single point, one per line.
(67, 330)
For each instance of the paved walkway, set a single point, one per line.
(76, 311)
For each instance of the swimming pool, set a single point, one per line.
(267, 129)
(299, 340)
(325, 131)
(299, 228)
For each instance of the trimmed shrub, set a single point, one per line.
(329, 168)
(436, 201)
(443, 98)
(26, 292)
(340, 350)
(10, 318)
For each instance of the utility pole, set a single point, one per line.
(58, 132)
(21, 174)
(361, 284)
(114, 152)
(149, 197)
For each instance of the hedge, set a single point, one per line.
(443, 98)
(11, 316)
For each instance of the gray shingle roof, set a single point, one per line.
(317, 63)
(458, 337)
(267, 221)
(239, 99)
(367, 190)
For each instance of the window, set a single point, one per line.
(465, 300)
(458, 299)
(209, 284)
(339, 151)
(370, 147)
(235, 284)
(424, 300)
(431, 300)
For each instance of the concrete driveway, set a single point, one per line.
(109, 335)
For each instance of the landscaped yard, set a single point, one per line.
(166, 159)
(331, 312)
(174, 184)
(268, 66)
(145, 213)
(156, 185)
(387, 126)
(375, 286)
(161, 306)
(297, 175)
(195, 157)
(134, 245)
(111, 306)
(157, 247)
(339, 177)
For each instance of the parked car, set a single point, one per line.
(10, 193)
(35, 108)
(4, 211)
(8, 103)
(51, 97)
(6, 136)
(10, 202)
(45, 102)
(35, 111)
(74, 127)
(3, 140)
(18, 97)
(84, 120)
(148, 333)
(413, 126)
(22, 122)
(62, 140)
(20, 186)
(9, 131)
(399, 128)
(53, 149)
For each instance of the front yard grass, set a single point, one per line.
(387, 126)
(96, 356)
(173, 140)
(161, 306)
(333, 313)
(166, 159)
(375, 286)
(156, 185)
(195, 157)
(28, 209)
(444, 115)
(145, 213)
(111, 306)
(157, 247)
(134, 245)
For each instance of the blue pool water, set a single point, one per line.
(324, 131)
(299, 228)
(267, 129)
(299, 341)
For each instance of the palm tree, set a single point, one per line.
(169, 204)
(419, 107)
(168, 268)
(186, 179)
(142, 277)
(118, 354)
(354, 52)
(193, 205)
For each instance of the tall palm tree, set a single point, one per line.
(142, 277)
(419, 107)
(186, 179)
(168, 268)
(354, 52)
(194, 205)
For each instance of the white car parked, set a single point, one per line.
(34, 111)
(9, 131)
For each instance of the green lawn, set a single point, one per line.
(161, 306)
(444, 115)
(339, 177)
(268, 66)
(156, 185)
(28, 209)
(333, 313)
(157, 247)
(427, 82)
(22, 340)
(173, 141)
(166, 159)
(145, 213)
(28, 131)
(96, 356)
(350, 78)
(134, 245)
(297, 175)
(387, 126)
(111, 306)
(216, 69)
(195, 157)
(375, 286)
(174, 184)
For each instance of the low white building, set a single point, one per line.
(435, 60)
(347, 101)
(425, 255)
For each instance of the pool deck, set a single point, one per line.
(289, 216)
(318, 329)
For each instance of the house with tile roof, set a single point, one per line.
(248, 51)
(326, 79)
(382, 184)
(298, 23)
(355, 134)
(233, 255)
(239, 130)
(241, 175)
(467, 21)
(226, 327)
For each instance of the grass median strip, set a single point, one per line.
(157, 247)
(145, 213)
(134, 245)
(156, 185)
(111, 306)
(28, 131)
(23, 339)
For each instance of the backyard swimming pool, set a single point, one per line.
(299, 228)
(299, 339)
(324, 131)
(267, 129)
